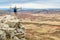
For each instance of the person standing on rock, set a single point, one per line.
(15, 11)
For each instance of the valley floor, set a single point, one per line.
(47, 28)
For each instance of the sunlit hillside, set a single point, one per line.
(41, 26)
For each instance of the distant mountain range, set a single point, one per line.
(34, 10)
(51, 9)
(31, 10)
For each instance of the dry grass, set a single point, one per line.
(48, 28)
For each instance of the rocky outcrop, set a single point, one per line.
(11, 28)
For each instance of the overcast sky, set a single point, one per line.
(30, 3)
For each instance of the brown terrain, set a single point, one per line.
(41, 26)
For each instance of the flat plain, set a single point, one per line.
(41, 26)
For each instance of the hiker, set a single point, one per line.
(15, 11)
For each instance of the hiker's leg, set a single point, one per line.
(15, 13)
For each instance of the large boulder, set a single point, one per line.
(12, 22)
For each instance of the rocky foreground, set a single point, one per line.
(11, 28)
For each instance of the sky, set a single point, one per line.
(36, 4)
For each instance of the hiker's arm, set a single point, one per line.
(19, 8)
(11, 8)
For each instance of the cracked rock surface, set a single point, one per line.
(11, 28)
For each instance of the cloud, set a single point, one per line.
(29, 1)
(4, 6)
(39, 6)
(17, 5)
(32, 5)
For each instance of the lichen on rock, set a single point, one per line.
(9, 22)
